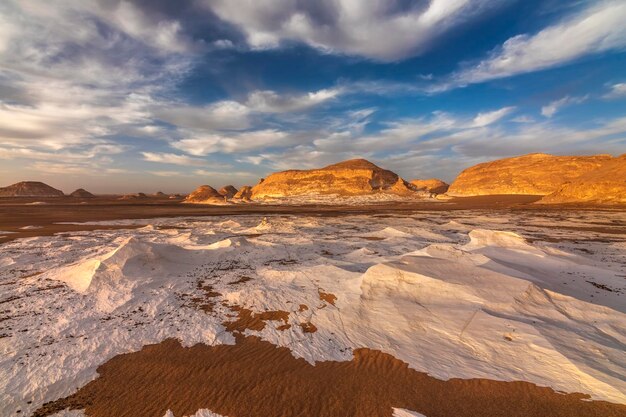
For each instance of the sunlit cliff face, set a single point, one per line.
(533, 174)
(348, 178)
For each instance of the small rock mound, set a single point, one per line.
(160, 194)
(533, 174)
(205, 194)
(245, 193)
(228, 191)
(82, 193)
(349, 178)
(135, 196)
(30, 189)
(431, 185)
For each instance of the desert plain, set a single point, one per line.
(366, 305)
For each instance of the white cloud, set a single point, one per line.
(383, 30)
(234, 115)
(484, 119)
(617, 91)
(164, 35)
(168, 173)
(80, 73)
(271, 102)
(225, 114)
(552, 108)
(597, 29)
(205, 144)
(174, 159)
(227, 173)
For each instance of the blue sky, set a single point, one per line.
(146, 95)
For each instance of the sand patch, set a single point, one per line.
(206, 302)
(243, 279)
(308, 327)
(328, 297)
(247, 319)
(255, 378)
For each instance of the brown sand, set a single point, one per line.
(247, 319)
(14, 213)
(308, 327)
(207, 301)
(328, 297)
(254, 378)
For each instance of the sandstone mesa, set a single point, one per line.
(533, 174)
(355, 177)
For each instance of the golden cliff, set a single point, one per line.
(533, 174)
(356, 177)
(604, 185)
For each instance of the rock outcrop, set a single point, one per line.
(228, 191)
(431, 185)
(160, 194)
(82, 193)
(205, 194)
(605, 185)
(533, 174)
(136, 196)
(30, 189)
(245, 193)
(355, 177)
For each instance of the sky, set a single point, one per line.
(144, 95)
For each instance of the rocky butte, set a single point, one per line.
(356, 177)
(30, 189)
(244, 193)
(205, 194)
(431, 185)
(228, 191)
(604, 185)
(533, 174)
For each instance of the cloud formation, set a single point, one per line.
(597, 29)
(485, 119)
(382, 30)
(552, 108)
(616, 91)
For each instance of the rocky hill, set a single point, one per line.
(82, 193)
(244, 193)
(30, 189)
(205, 194)
(355, 177)
(605, 185)
(431, 185)
(533, 174)
(228, 191)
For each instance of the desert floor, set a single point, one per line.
(430, 309)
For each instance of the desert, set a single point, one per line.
(321, 208)
(170, 295)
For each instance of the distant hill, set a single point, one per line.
(432, 185)
(205, 194)
(354, 177)
(533, 174)
(82, 193)
(228, 191)
(30, 189)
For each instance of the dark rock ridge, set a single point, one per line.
(30, 189)
(82, 193)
